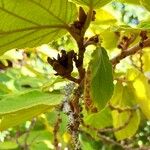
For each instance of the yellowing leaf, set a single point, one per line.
(109, 39)
(101, 26)
(119, 119)
(103, 17)
(66, 137)
(123, 97)
(146, 58)
(141, 90)
(136, 2)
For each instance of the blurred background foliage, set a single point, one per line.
(27, 69)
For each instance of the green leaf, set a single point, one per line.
(4, 89)
(8, 145)
(92, 3)
(40, 139)
(104, 119)
(101, 78)
(88, 143)
(28, 82)
(17, 108)
(145, 25)
(51, 117)
(30, 23)
(135, 2)
(124, 98)
(99, 120)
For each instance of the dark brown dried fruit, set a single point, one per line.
(63, 65)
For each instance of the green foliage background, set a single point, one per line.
(31, 31)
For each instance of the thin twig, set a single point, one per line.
(111, 141)
(119, 128)
(119, 109)
(28, 132)
(141, 61)
(17, 141)
(88, 21)
(130, 51)
(133, 62)
(130, 110)
(55, 131)
(109, 129)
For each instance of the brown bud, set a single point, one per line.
(82, 16)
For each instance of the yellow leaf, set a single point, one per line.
(120, 119)
(141, 90)
(66, 137)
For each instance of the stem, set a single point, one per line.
(79, 38)
(112, 141)
(88, 21)
(130, 51)
(28, 132)
(71, 78)
(81, 45)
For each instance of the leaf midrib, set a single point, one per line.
(33, 28)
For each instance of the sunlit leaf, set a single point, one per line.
(92, 3)
(136, 2)
(124, 98)
(100, 26)
(141, 90)
(42, 140)
(146, 58)
(102, 78)
(109, 39)
(146, 4)
(119, 119)
(30, 23)
(8, 145)
(104, 18)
